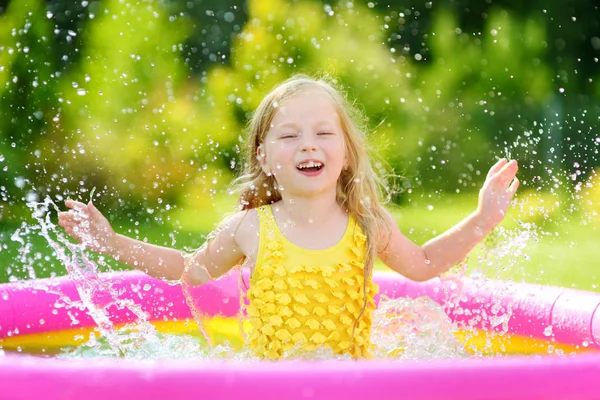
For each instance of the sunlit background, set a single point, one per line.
(146, 101)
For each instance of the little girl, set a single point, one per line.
(310, 227)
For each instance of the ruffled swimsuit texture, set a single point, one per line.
(300, 300)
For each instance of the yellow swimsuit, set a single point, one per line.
(302, 299)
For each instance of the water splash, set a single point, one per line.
(96, 295)
(24, 248)
(506, 248)
(414, 329)
(402, 328)
(139, 345)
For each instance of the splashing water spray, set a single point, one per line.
(139, 340)
(402, 328)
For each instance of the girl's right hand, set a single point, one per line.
(88, 226)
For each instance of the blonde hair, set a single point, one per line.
(359, 188)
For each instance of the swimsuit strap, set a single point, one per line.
(267, 223)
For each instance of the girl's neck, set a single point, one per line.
(308, 210)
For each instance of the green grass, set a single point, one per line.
(564, 254)
(562, 250)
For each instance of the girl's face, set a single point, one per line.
(305, 147)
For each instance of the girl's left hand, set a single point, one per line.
(497, 192)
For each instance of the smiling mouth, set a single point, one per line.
(311, 166)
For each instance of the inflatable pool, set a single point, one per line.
(546, 341)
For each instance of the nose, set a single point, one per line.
(308, 143)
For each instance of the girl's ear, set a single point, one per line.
(262, 159)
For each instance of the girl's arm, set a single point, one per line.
(435, 257)
(217, 256)
(87, 225)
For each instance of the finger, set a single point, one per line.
(496, 167)
(78, 212)
(74, 204)
(509, 172)
(67, 220)
(81, 215)
(73, 217)
(514, 186)
(506, 173)
(69, 214)
(511, 165)
(69, 229)
(94, 212)
(72, 228)
(63, 216)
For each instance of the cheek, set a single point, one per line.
(336, 151)
(280, 154)
(282, 150)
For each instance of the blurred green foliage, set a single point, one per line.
(147, 100)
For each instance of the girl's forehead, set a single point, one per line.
(306, 106)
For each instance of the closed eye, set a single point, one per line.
(325, 133)
(288, 136)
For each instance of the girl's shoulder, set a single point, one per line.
(246, 222)
(243, 227)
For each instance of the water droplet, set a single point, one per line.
(147, 287)
(548, 331)
(20, 182)
(81, 92)
(31, 197)
(229, 16)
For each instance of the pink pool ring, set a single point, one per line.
(543, 319)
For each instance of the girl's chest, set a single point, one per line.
(312, 241)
